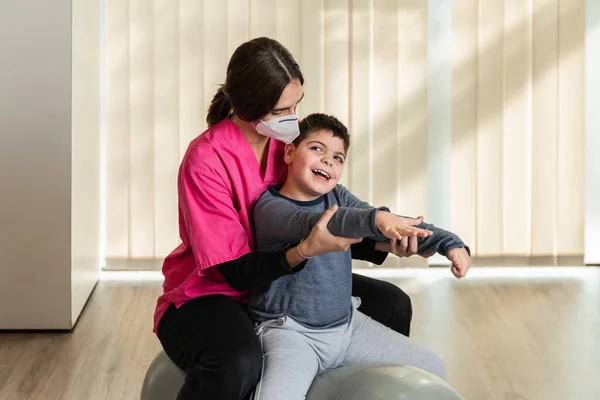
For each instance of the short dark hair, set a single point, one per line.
(316, 122)
(257, 73)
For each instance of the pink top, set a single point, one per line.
(219, 182)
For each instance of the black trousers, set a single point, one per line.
(213, 339)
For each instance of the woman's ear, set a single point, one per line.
(288, 153)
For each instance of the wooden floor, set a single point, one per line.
(527, 337)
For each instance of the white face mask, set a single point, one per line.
(284, 128)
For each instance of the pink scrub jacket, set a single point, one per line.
(219, 182)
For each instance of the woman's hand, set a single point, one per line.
(396, 227)
(321, 241)
(405, 247)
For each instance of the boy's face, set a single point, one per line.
(316, 165)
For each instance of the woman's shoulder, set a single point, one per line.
(205, 150)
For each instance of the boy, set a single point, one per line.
(308, 321)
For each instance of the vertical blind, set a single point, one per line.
(513, 180)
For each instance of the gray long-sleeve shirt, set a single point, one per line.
(319, 296)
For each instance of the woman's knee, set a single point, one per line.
(239, 363)
(396, 296)
(230, 374)
(402, 302)
(245, 364)
(387, 304)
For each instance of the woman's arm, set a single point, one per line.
(371, 251)
(218, 238)
(258, 268)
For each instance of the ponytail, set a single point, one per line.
(219, 108)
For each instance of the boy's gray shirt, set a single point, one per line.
(319, 295)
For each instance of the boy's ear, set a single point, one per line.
(288, 153)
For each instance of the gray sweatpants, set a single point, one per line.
(294, 354)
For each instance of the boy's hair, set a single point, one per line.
(316, 122)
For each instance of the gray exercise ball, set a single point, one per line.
(381, 382)
(359, 382)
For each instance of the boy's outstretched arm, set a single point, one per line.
(278, 222)
(442, 241)
(447, 244)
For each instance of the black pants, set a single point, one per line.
(212, 338)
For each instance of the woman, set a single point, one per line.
(200, 319)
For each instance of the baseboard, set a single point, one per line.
(134, 264)
(155, 264)
(486, 261)
(530, 261)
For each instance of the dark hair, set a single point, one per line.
(257, 73)
(316, 122)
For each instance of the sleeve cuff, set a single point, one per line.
(379, 257)
(283, 262)
(374, 219)
(457, 246)
(365, 251)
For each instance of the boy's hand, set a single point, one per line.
(461, 262)
(395, 227)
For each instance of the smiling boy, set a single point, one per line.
(308, 321)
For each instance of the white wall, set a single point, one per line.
(49, 163)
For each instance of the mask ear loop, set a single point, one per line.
(255, 126)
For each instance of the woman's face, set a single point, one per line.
(288, 101)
